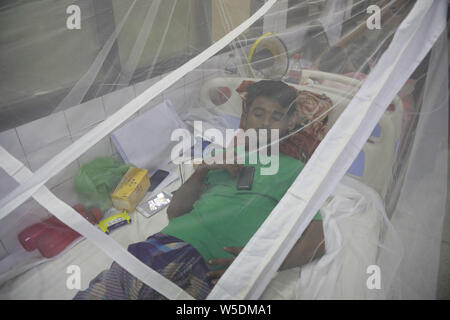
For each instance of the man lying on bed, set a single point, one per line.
(211, 221)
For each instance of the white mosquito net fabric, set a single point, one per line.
(349, 97)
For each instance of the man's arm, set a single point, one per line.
(185, 197)
(309, 247)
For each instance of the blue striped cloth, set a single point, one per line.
(169, 256)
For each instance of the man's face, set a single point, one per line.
(265, 113)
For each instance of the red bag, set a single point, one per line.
(52, 236)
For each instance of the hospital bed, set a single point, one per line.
(367, 180)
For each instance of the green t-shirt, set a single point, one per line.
(226, 217)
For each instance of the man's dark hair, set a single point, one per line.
(275, 90)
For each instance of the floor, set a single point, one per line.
(443, 290)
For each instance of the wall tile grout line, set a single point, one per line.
(22, 147)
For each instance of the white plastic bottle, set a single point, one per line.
(231, 64)
(295, 71)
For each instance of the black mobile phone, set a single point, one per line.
(157, 178)
(245, 179)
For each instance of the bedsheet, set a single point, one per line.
(353, 217)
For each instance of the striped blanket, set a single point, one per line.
(169, 256)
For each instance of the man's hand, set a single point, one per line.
(184, 198)
(225, 262)
(310, 246)
(233, 168)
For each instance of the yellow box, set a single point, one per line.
(131, 189)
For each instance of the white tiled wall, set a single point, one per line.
(144, 85)
(38, 158)
(42, 132)
(10, 141)
(7, 183)
(3, 252)
(37, 142)
(443, 290)
(85, 115)
(66, 191)
(115, 100)
(103, 148)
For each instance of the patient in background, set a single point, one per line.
(210, 221)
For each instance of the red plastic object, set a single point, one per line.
(52, 236)
(94, 215)
(28, 238)
(52, 242)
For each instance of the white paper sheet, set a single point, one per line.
(145, 141)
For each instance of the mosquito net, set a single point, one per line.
(222, 149)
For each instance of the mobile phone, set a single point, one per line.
(245, 179)
(153, 204)
(157, 178)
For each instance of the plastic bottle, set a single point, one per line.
(231, 64)
(295, 71)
